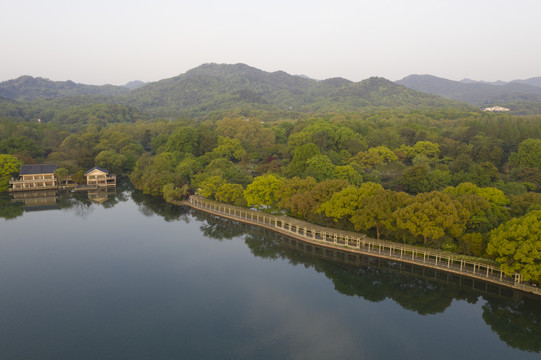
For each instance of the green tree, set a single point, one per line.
(377, 211)
(294, 186)
(210, 186)
(263, 191)
(184, 140)
(347, 172)
(415, 179)
(187, 168)
(319, 167)
(173, 193)
(366, 159)
(113, 140)
(9, 166)
(61, 174)
(228, 170)
(439, 179)
(344, 203)
(384, 153)
(301, 156)
(305, 203)
(111, 160)
(229, 148)
(471, 244)
(21, 145)
(522, 204)
(251, 132)
(79, 177)
(483, 174)
(516, 245)
(432, 215)
(151, 174)
(528, 154)
(230, 193)
(81, 148)
(427, 148)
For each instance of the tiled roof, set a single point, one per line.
(37, 169)
(97, 168)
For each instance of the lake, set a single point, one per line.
(127, 276)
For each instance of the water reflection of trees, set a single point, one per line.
(151, 205)
(8, 209)
(518, 323)
(514, 316)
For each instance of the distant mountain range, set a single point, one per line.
(212, 87)
(535, 81)
(477, 92)
(218, 87)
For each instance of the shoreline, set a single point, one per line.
(360, 244)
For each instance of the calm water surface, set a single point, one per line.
(131, 277)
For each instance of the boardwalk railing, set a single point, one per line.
(359, 243)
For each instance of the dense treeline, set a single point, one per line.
(466, 182)
(73, 111)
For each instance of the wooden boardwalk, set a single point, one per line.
(361, 244)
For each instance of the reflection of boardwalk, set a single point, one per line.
(363, 260)
(359, 243)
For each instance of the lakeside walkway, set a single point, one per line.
(361, 244)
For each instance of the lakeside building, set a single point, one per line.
(42, 177)
(35, 177)
(100, 177)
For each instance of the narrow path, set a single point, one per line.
(361, 244)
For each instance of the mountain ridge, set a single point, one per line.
(212, 86)
(27, 88)
(473, 92)
(215, 87)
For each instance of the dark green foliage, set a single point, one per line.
(415, 179)
(20, 145)
(29, 88)
(184, 140)
(213, 87)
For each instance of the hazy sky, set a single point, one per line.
(116, 41)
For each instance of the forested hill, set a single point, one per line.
(513, 94)
(535, 81)
(27, 88)
(212, 87)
